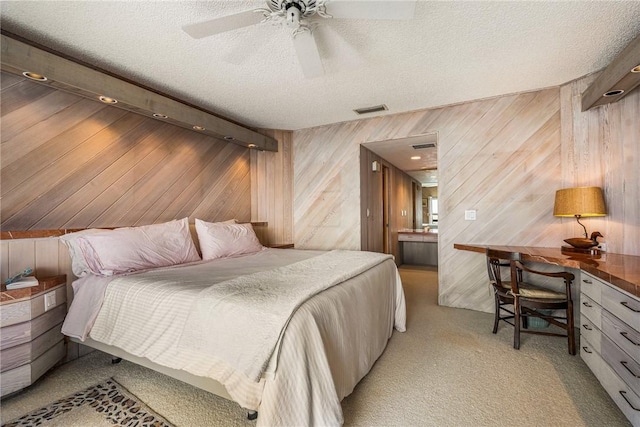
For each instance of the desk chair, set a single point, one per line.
(527, 299)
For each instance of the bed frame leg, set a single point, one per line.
(115, 360)
(252, 415)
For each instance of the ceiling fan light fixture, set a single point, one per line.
(294, 11)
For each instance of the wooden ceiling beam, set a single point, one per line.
(617, 76)
(72, 76)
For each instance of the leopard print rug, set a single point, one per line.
(108, 399)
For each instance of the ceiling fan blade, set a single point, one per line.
(308, 54)
(223, 24)
(374, 9)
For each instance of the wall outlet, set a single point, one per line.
(470, 215)
(603, 246)
(49, 300)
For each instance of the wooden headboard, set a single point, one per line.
(48, 256)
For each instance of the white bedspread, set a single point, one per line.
(322, 355)
(259, 306)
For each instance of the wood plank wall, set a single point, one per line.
(272, 188)
(72, 162)
(601, 147)
(504, 157)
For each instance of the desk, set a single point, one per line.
(609, 319)
(622, 271)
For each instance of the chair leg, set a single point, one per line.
(497, 316)
(570, 329)
(516, 323)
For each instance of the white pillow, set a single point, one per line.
(138, 248)
(218, 240)
(78, 263)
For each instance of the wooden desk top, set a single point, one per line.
(620, 270)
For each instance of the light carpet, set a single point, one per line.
(448, 369)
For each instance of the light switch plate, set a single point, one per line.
(470, 215)
(49, 300)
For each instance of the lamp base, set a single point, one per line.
(571, 250)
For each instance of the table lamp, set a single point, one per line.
(580, 202)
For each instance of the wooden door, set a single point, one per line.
(386, 211)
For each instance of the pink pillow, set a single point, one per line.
(138, 248)
(219, 240)
(78, 263)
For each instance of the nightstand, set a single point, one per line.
(30, 339)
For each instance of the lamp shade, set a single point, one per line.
(582, 201)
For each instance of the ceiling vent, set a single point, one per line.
(422, 146)
(374, 109)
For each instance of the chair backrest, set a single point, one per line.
(497, 259)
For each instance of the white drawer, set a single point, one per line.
(591, 310)
(590, 333)
(626, 368)
(625, 337)
(590, 356)
(621, 393)
(591, 286)
(623, 306)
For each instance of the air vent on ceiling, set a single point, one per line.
(373, 109)
(421, 146)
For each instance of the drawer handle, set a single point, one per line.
(625, 363)
(624, 334)
(624, 395)
(587, 327)
(586, 304)
(626, 305)
(587, 281)
(587, 350)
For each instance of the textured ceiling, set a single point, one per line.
(451, 52)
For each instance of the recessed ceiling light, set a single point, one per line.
(636, 69)
(229, 138)
(614, 92)
(415, 157)
(252, 145)
(107, 100)
(160, 116)
(34, 76)
(198, 127)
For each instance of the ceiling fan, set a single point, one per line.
(296, 15)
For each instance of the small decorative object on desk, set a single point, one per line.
(21, 280)
(24, 282)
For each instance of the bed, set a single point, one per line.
(284, 332)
